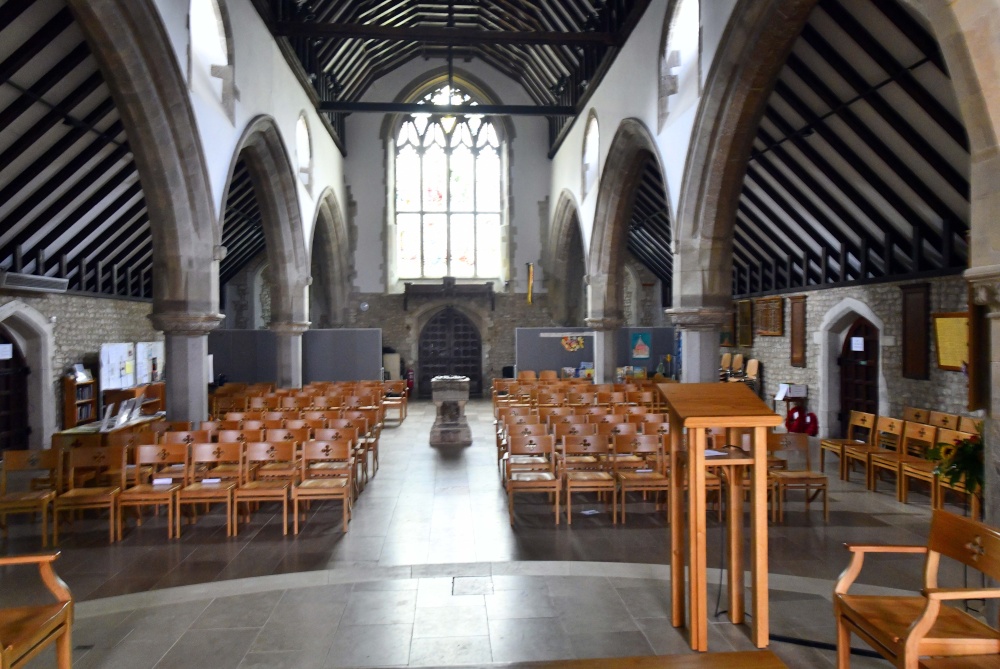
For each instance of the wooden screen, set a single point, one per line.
(450, 345)
(916, 326)
(798, 338)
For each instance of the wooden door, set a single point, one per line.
(859, 371)
(13, 396)
(450, 345)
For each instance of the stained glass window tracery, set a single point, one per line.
(448, 192)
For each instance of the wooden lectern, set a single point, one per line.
(697, 407)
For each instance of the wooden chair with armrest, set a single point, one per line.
(905, 629)
(860, 429)
(26, 631)
(28, 501)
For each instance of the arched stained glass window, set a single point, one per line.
(449, 193)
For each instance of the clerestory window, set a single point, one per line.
(449, 192)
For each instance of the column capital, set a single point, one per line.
(288, 327)
(698, 319)
(985, 282)
(604, 323)
(185, 324)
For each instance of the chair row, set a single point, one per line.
(115, 478)
(900, 447)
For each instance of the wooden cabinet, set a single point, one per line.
(153, 394)
(79, 402)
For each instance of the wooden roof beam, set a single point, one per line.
(446, 36)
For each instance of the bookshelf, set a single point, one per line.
(79, 402)
(154, 394)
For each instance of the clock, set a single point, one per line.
(363, 306)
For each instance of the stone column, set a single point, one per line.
(700, 327)
(985, 283)
(186, 366)
(605, 331)
(289, 350)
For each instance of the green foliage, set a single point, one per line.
(961, 462)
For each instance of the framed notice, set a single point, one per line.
(769, 316)
(951, 334)
(744, 323)
(727, 334)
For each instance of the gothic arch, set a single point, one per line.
(564, 238)
(131, 45)
(753, 50)
(330, 262)
(33, 334)
(266, 158)
(631, 150)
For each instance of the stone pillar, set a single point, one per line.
(186, 366)
(605, 332)
(985, 283)
(700, 327)
(289, 350)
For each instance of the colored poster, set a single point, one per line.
(640, 345)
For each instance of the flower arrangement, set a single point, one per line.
(961, 462)
(572, 343)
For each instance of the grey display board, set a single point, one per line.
(541, 348)
(250, 356)
(662, 343)
(346, 354)
(244, 356)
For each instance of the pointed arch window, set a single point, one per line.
(449, 192)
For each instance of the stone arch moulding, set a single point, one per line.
(590, 154)
(33, 334)
(332, 244)
(418, 318)
(630, 150)
(270, 170)
(752, 52)
(131, 45)
(830, 337)
(556, 253)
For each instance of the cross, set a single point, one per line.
(217, 453)
(615, 431)
(585, 443)
(188, 439)
(634, 443)
(892, 426)
(326, 450)
(289, 436)
(163, 454)
(863, 420)
(271, 451)
(976, 548)
(33, 460)
(336, 435)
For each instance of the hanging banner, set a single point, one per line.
(531, 280)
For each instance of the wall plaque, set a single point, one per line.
(744, 323)
(951, 333)
(916, 339)
(769, 315)
(797, 315)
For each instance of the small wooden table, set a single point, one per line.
(90, 434)
(696, 407)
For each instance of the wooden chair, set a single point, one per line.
(652, 477)
(312, 487)
(240, 435)
(185, 437)
(164, 459)
(915, 415)
(969, 424)
(881, 455)
(527, 375)
(257, 486)
(920, 469)
(612, 430)
(395, 397)
(948, 421)
(564, 430)
(811, 483)
(96, 459)
(538, 475)
(904, 629)
(548, 375)
(724, 365)
(581, 398)
(28, 501)
(25, 631)
(584, 468)
(860, 429)
(205, 484)
(917, 438)
(736, 369)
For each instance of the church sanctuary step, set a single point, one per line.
(754, 659)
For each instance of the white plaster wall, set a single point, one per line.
(629, 90)
(366, 164)
(267, 86)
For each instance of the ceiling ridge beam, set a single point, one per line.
(446, 36)
(467, 110)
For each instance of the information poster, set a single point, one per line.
(117, 366)
(149, 362)
(951, 332)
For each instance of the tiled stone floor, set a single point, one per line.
(431, 574)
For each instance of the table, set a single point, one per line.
(90, 434)
(733, 406)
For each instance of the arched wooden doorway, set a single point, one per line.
(13, 395)
(450, 345)
(859, 370)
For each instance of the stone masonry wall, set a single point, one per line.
(401, 329)
(81, 324)
(944, 390)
